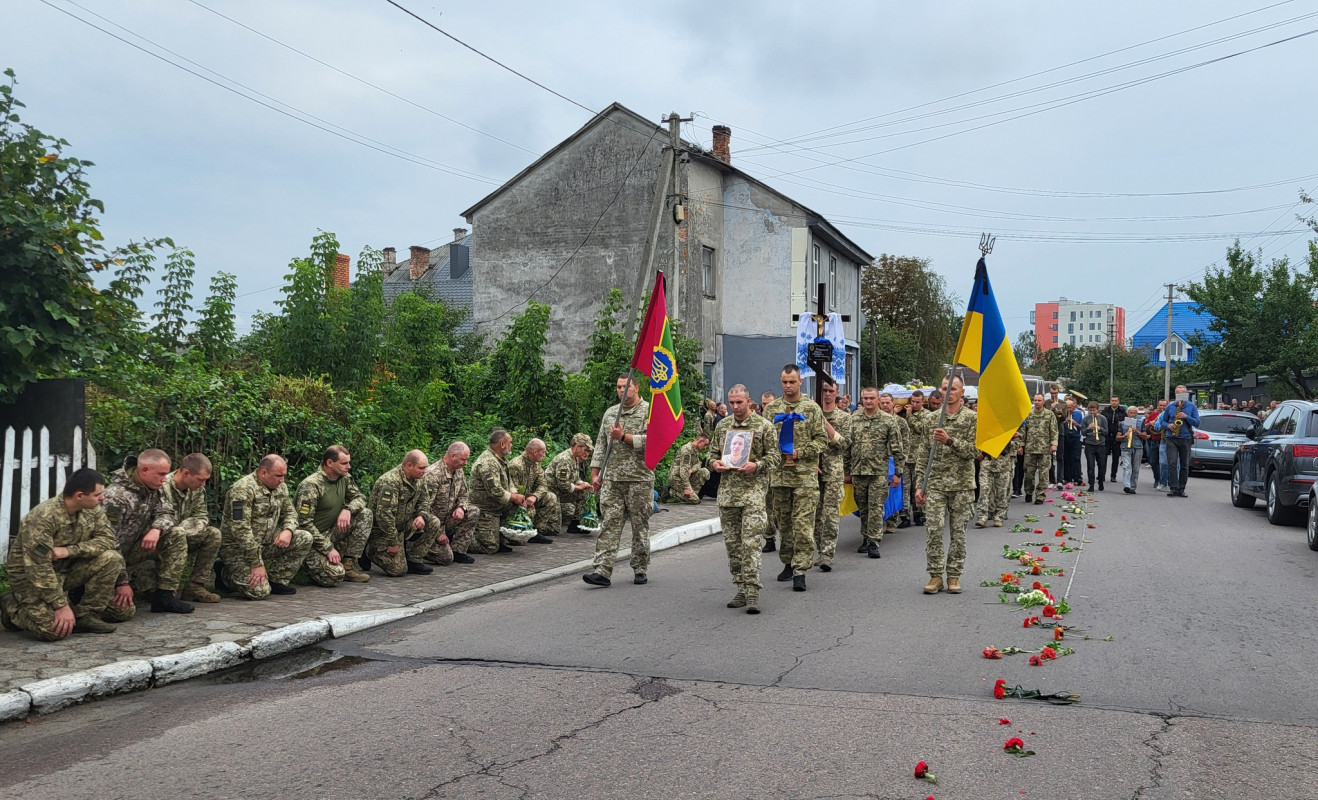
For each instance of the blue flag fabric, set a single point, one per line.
(1004, 402)
(789, 425)
(893, 505)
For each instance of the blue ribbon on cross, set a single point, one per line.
(789, 424)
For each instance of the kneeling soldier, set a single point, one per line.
(155, 552)
(402, 528)
(333, 509)
(687, 477)
(452, 507)
(542, 505)
(568, 482)
(186, 490)
(262, 546)
(63, 544)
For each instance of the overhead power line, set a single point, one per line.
(289, 111)
(361, 80)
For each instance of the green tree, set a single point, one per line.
(1265, 317)
(906, 293)
(214, 335)
(1026, 350)
(1060, 361)
(887, 354)
(175, 303)
(1133, 378)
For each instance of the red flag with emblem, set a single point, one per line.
(654, 357)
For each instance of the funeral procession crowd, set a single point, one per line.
(83, 560)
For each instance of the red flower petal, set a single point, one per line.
(1014, 741)
(1049, 611)
(1035, 661)
(1045, 549)
(1004, 721)
(999, 692)
(921, 769)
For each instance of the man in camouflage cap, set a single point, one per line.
(452, 506)
(687, 476)
(155, 554)
(402, 527)
(262, 546)
(63, 544)
(185, 488)
(832, 473)
(568, 482)
(333, 509)
(493, 493)
(542, 505)
(743, 494)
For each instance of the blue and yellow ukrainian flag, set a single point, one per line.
(1004, 402)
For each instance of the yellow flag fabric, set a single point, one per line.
(848, 501)
(1004, 402)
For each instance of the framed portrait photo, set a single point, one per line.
(737, 448)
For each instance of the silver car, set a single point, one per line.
(1217, 437)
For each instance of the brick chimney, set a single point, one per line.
(390, 262)
(722, 142)
(419, 262)
(341, 263)
(458, 234)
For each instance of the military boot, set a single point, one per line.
(164, 601)
(738, 600)
(197, 592)
(352, 572)
(953, 584)
(90, 623)
(753, 603)
(935, 584)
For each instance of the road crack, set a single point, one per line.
(800, 659)
(1157, 751)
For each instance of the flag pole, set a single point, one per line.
(986, 243)
(631, 373)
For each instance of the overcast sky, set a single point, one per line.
(246, 187)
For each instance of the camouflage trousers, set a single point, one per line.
(413, 545)
(485, 535)
(743, 536)
(352, 542)
(460, 533)
(1036, 472)
(546, 514)
(870, 492)
(570, 507)
(321, 571)
(908, 480)
(995, 490)
(23, 608)
(203, 548)
(826, 519)
(695, 483)
(281, 564)
(624, 501)
(947, 509)
(161, 568)
(793, 510)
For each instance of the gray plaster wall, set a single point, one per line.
(531, 236)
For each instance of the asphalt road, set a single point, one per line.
(562, 690)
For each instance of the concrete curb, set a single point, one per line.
(53, 694)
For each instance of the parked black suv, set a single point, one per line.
(1280, 464)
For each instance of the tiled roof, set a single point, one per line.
(435, 281)
(1187, 319)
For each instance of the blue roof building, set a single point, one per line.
(1188, 319)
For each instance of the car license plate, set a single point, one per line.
(1217, 443)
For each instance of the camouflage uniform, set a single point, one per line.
(995, 479)
(904, 431)
(133, 511)
(193, 520)
(950, 492)
(832, 484)
(448, 491)
(491, 491)
(314, 500)
(253, 518)
(794, 489)
(627, 490)
(873, 441)
(562, 473)
(1040, 438)
(395, 502)
(742, 499)
(39, 585)
(686, 474)
(907, 470)
(529, 478)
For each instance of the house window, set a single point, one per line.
(1054, 340)
(1070, 328)
(1031, 317)
(1054, 315)
(1072, 340)
(1073, 316)
(832, 282)
(814, 274)
(707, 269)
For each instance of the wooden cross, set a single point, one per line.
(821, 317)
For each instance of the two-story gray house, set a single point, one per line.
(615, 202)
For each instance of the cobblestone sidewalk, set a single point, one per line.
(23, 659)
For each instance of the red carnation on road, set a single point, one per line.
(922, 772)
(1000, 689)
(1049, 611)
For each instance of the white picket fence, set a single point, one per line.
(41, 468)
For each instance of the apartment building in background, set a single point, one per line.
(1081, 324)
